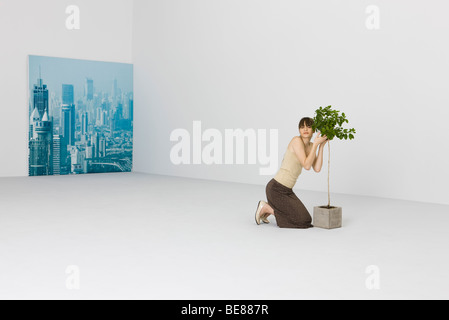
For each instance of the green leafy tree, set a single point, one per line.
(330, 123)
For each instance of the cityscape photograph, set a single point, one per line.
(80, 116)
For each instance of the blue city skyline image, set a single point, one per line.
(80, 116)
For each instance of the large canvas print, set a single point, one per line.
(80, 116)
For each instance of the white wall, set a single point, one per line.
(39, 28)
(264, 64)
(256, 65)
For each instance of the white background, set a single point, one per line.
(256, 65)
(265, 64)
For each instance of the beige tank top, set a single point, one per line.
(290, 170)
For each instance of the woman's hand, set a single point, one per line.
(320, 139)
(324, 143)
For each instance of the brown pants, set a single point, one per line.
(289, 211)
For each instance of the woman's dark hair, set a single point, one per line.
(305, 121)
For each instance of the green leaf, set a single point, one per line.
(329, 122)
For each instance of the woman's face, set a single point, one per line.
(306, 131)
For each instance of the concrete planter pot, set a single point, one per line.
(327, 218)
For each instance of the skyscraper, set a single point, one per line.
(41, 148)
(95, 141)
(33, 119)
(77, 160)
(67, 94)
(84, 123)
(56, 154)
(68, 124)
(89, 89)
(102, 147)
(40, 158)
(114, 89)
(89, 152)
(40, 96)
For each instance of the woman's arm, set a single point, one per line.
(319, 159)
(306, 161)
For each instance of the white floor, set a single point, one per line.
(139, 236)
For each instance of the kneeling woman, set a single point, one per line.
(288, 210)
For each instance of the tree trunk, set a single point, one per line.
(328, 177)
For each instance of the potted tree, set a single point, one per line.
(329, 122)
